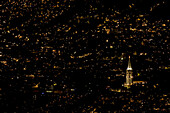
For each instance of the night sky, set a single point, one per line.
(72, 55)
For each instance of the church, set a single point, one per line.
(129, 77)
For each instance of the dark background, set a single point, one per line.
(94, 77)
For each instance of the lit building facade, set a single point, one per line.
(129, 73)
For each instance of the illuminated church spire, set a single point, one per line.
(129, 65)
(129, 73)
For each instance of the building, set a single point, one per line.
(129, 77)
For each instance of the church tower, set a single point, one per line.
(129, 73)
